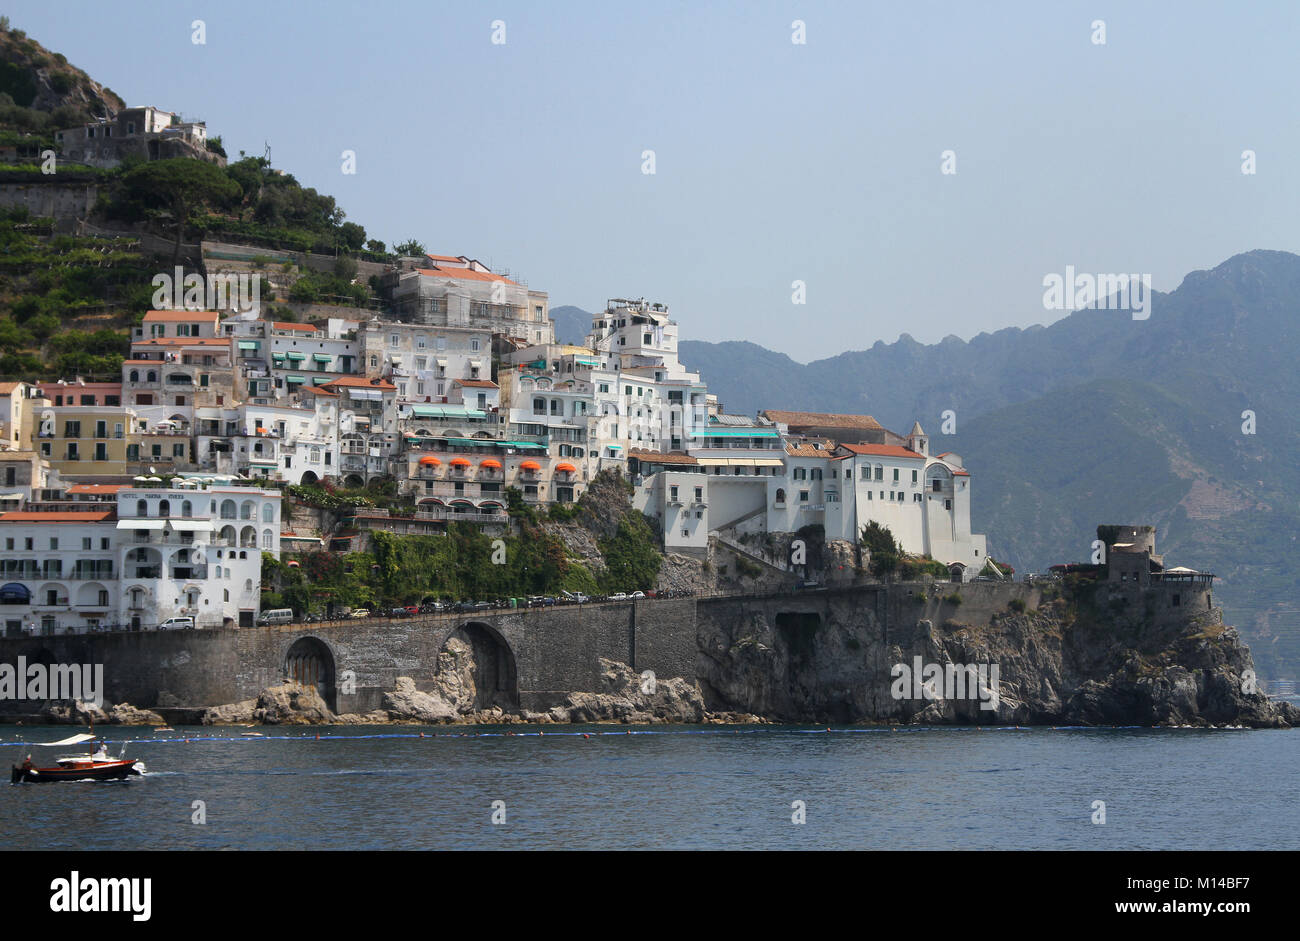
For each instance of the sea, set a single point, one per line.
(666, 787)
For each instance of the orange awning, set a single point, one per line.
(566, 466)
(460, 462)
(430, 461)
(490, 462)
(530, 465)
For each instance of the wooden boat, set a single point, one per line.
(97, 766)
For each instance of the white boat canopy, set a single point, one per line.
(74, 740)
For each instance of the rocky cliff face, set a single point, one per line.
(1088, 656)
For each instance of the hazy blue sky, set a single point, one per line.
(774, 161)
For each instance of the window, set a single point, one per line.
(72, 429)
(85, 543)
(913, 476)
(101, 451)
(473, 344)
(895, 475)
(947, 504)
(803, 496)
(54, 542)
(880, 472)
(780, 495)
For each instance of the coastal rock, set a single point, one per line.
(291, 704)
(126, 714)
(407, 702)
(622, 699)
(239, 713)
(74, 712)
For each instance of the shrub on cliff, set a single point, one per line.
(631, 555)
(884, 549)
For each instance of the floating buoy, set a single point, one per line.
(421, 735)
(585, 735)
(318, 736)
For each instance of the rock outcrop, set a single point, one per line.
(1083, 655)
(626, 697)
(75, 712)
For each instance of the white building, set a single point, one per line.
(191, 549)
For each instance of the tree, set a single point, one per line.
(352, 236)
(409, 247)
(180, 187)
(377, 247)
(885, 550)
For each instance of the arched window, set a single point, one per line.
(248, 510)
(266, 539)
(780, 494)
(248, 584)
(151, 376)
(228, 509)
(164, 508)
(134, 376)
(141, 508)
(268, 512)
(187, 508)
(225, 594)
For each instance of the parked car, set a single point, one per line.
(638, 594)
(618, 596)
(276, 616)
(359, 613)
(177, 624)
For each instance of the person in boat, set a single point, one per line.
(27, 763)
(101, 752)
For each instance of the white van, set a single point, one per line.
(277, 616)
(176, 624)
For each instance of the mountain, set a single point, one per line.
(1102, 418)
(572, 324)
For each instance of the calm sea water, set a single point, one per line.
(670, 787)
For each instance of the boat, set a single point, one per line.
(97, 766)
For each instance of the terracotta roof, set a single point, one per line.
(463, 274)
(477, 383)
(961, 473)
(285, 325)
(317, 390)
(27, 516)
(180, 316)
(822, 419)
(882, 450)
(7, 387)
(445, 257)
(807, 450)
(656, 457)
(360, 382)
(96, 488)
(143, 362)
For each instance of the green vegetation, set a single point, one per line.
(746, 568)
(884, 549)
(632, 556)
(1017, 605)
(954, 599)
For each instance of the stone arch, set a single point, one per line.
(310, 662)
(496, 677)
(309, 477)
(353, 481)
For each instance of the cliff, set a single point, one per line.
(1079, 654)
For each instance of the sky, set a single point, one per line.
(774, 161)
